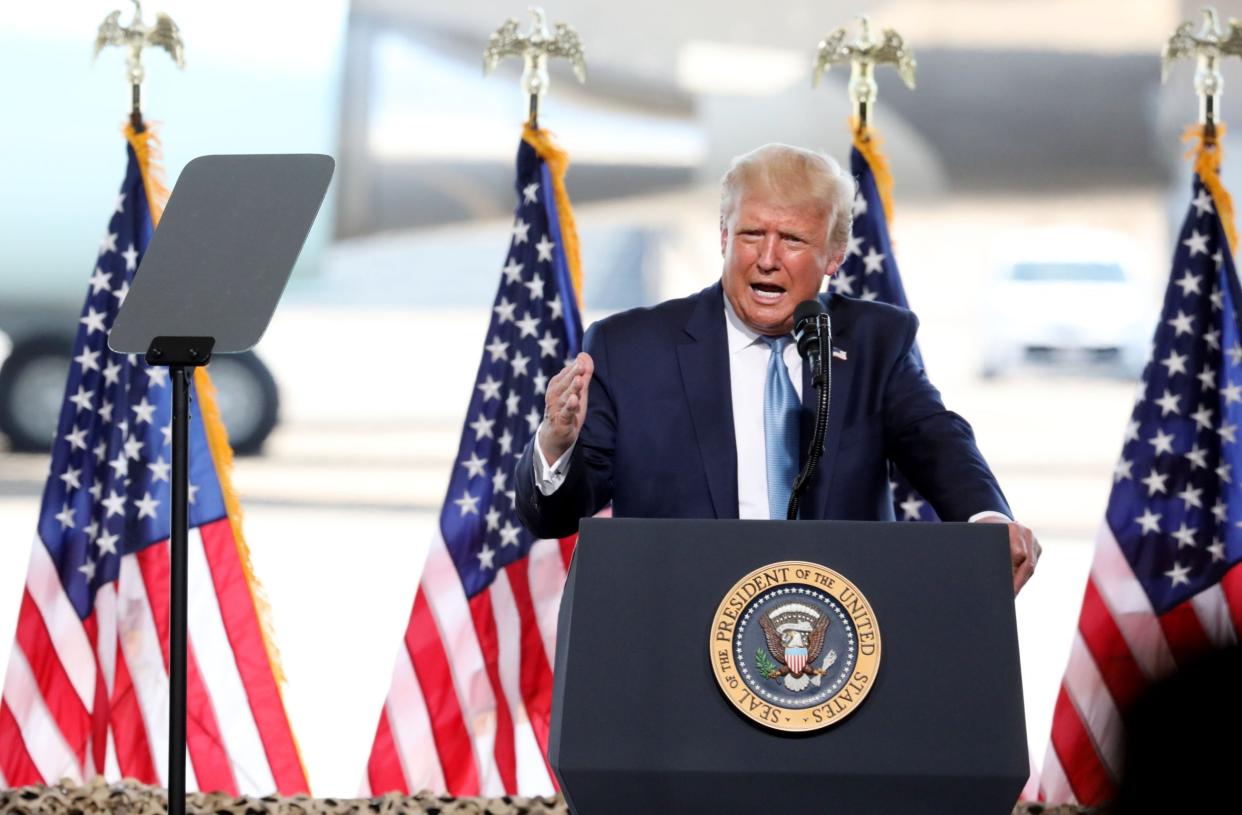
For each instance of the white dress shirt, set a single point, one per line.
(748, 372)
(748, 376)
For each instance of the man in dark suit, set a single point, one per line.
(699, 407)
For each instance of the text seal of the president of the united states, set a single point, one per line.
(795, 646)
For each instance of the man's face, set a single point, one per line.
(776, 255)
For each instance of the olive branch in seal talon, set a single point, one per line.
(766, 666)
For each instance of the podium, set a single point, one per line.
(641, 724)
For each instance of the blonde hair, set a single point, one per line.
(796, 173)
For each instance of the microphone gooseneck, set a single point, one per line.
(806, 335)
(813, 333)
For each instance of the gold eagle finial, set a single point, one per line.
(1208, 46)
(535, 47)
(863, 55)
(134, 38)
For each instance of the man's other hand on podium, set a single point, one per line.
(565, 407)
(1024, 550)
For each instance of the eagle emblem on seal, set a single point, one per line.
(795, 638)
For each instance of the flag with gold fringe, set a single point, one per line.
(869, 272)
(1164, 588)
(469, 707)
(86, 687)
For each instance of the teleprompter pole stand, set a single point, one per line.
(181, 355)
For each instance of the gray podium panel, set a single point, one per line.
(224, 249)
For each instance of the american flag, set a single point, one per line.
(869, 272)
(1162, 588)
(469, 706)
(86, 688)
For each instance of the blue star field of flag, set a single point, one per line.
(1176, 502)
(535, 329)
(869, 272)
(108, 492)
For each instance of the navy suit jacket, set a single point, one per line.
(658, 438)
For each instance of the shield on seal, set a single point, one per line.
(795, 658)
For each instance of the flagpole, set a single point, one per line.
(1209, 46)
(1169, 561)
(134, 38)
(870, 249)
(863, 55)
(479, 526)
(135, 116)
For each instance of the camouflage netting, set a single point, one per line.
(132, 798)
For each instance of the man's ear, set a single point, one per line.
(724, 235)
(834, 263)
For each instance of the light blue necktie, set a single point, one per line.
(780, 428)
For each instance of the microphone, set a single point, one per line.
(806, 333)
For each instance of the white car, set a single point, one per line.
(1068, 298)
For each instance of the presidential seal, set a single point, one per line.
(795, 646)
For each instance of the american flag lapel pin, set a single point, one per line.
(838, 353)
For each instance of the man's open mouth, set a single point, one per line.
(767, 292)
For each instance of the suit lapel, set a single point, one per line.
(816, 499)
(704, 361)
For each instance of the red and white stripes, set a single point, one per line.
(470, 704)
(1121, 647)
(83, 698)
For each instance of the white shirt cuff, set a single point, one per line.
(989, 513)
(549, 477)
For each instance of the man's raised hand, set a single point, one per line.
(565, 406)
